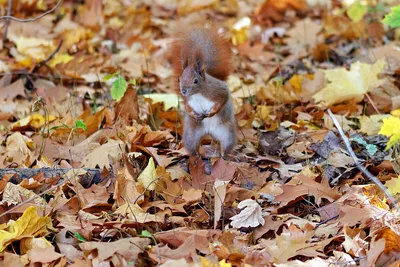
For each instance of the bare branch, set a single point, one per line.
(8, 20)
(32, 19)
(357, 162)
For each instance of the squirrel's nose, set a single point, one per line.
(183, 90)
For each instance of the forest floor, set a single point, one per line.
(94, 172)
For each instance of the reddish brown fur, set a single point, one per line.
(202, 61)
(214, 51)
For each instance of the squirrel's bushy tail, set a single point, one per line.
(204, 45)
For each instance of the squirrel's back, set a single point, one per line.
(204, 44)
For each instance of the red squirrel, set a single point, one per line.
(202, 61)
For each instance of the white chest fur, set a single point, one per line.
(200, 104)
(214, 127)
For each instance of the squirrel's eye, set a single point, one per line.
(196, 81)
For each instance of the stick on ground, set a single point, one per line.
(358, 164)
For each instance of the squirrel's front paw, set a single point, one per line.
(199, 117)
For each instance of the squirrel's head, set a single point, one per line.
(193, 79)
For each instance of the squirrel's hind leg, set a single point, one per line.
(191, 140)
(227, 138)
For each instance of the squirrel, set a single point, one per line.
(202, 62)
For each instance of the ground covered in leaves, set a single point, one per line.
(87, 90)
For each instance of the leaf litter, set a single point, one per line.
(290, 195)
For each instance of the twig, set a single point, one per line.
(8, 20)
(358, 164)
(147, 187)
(44, 61)
(8, 17)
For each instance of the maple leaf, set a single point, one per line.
(251, 216)
(350, 85)
(393, 185)
(287, 244)
(127, 248)
(101, 155)
(391, 128)
(30, 224)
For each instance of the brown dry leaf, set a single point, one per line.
(277, 92)
(17, 88)
(186, 6)
(128, 248)
(170, 189)
(104, 155)
(219, 197)
(92, 121)
(293, 241)
(180, 263)
(304, 34)
(19, 150)
(128, 107)
(376, 249)
(136, 214)
(275, 10)
(43, 255)
(94, 196)
(392, 239)
(187, 250)
(365, 215)
(178, 236)
(302, 185)
(343, 26)
(353, 241)
(15, 194)
(11, 259)
(125, 189)
(192, 195)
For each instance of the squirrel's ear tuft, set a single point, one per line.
(184, 59)
(200, 67)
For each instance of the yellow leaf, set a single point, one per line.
(350, 85)
(296, 81)
(208, 263)
(395, 112)
(240, 31)
(169, 100)
(60, 58)
(393, 186)
(148, 175)
(391, 128)
(35, 48)
(30, 224)
(357, 11)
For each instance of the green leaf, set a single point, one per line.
(393, 18)
(146, 233)
(111, 75)
(79, 237)
(133, 81)
(357, 11)
(118, 88)
(80, 124)
(371, 149)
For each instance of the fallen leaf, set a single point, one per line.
(349, 85)
(30, 224)
(249, 217)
